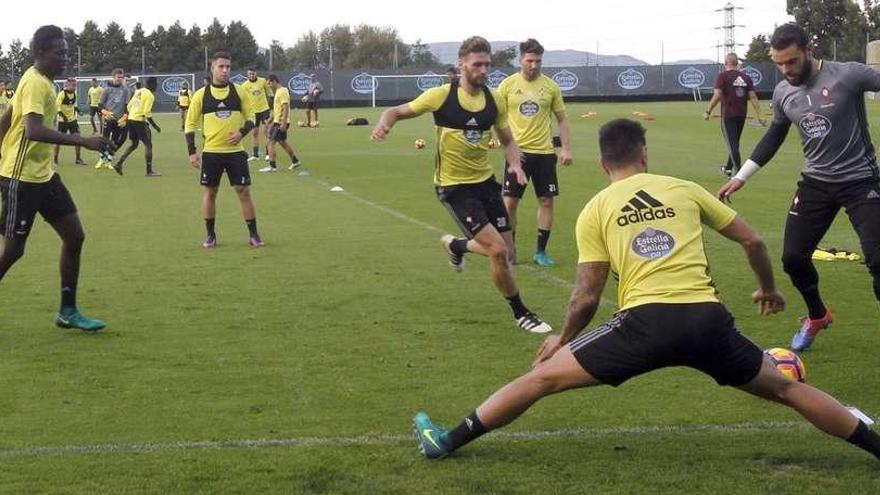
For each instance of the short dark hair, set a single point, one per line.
(250, 69)
(71, 79)
(531, 45)
(474, 44)
(272, 77)
(94, 79)
(787, 34)
(221, 54)
(117, 71)
(150, 83)
(621, 141)
(43, 38)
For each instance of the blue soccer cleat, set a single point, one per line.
(432, 438)
(541, 258)
(72, 318)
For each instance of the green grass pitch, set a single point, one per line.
(296, 368)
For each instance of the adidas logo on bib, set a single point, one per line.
(473, 121)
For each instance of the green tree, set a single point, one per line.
(279, 57)
(139, 41)
(505, 57)
(194, 58)
(421, 56)
(19, 58)
(822, 19)
(90, 42)
(304, 54)
(341, 39)
(114, 49)
(241, 45)
(215, 37)
(759, 50)
(377, 48)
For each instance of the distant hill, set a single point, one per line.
(447, 53)
(699, 61)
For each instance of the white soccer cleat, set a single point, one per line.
(294, 165)
(269, 169)
(253, 158)
(531, 322)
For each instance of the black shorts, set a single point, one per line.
(23, 200)
(473, 206)
(541, 171)
(311, 105)
(276, 134)
(234, 164)
(653, 336)
(68, 127)
(139, 131)
(94, 111)
(261, 117)
(183, 108)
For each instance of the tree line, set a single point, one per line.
(839, 29)
(97, 50)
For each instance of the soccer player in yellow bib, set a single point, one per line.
(67, 112)
(183, 103)
(464, 113)
(280, 124)
(28, 181)
(226, 111)
(140, 112)
(94, 95)
(531, 99)
(258, 90)
(648, 229)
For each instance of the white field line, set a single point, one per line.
(536, 272)
(388, 440)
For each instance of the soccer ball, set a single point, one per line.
(420, 143)
(300, 123)
(305, 99)
(788, 363)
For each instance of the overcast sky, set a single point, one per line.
(646, 29)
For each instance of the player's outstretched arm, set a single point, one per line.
(582, 306)
(764, 151)
(5, 122)
(35, 130)
(389, 118)
(767, 297)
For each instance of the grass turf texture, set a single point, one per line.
(350, 320)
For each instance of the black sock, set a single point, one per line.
(459, 246)
(470, 429)
(517, 305)
(68, 297)
(543, 237)
(865, 439)
(150, 166)
(272, 163)
(256, 151)
(293, 158)
(252, 226)
(815, 306)
(209, 226)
